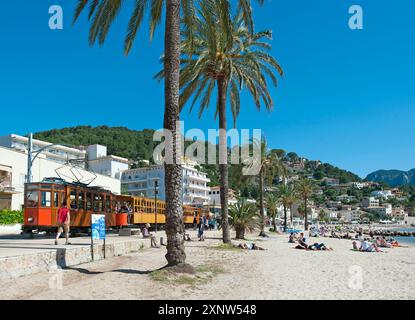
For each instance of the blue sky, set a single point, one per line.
(347, 97)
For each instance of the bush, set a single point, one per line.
(11, 217)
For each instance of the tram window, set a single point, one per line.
(72, 200)
(97, 203)
(46, 198)
(56, 199)
(81, 200)
(108, 204)
(32, 199)
(89, 201)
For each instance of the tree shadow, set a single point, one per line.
(83, 270)
(131, 271)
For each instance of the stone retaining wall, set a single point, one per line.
(23, 265)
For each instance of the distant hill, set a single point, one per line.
(393, 178)
(139, 145)
(121, 141)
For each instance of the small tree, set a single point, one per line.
(243, 216)
(272, 203)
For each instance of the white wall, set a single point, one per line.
(41, 169)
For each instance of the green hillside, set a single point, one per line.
(136, 145)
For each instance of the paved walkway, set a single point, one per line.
(21, 255)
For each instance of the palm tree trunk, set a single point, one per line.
(285, 218)
(173, 171)
(240, 233)
(223, 160)
(291, 216)
(306, 214)
(261, 202)
(274, 223)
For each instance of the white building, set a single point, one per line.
(141, 182)
(370, 202)
(214, 197)
(384, 210)
(13, 170)
(382, 194)
(94, 158)
(57, 153)
(100, 162)
(350, 215)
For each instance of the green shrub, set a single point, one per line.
(11, 217)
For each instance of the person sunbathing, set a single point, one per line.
(365, 246)
(249, 246)
(381, 242)
(319, 246)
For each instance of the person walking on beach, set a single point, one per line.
(64, 220)
(201, 229)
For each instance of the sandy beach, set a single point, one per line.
(279, 272)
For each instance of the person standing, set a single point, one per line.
(64, 220)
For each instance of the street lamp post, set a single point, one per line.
(29, 159)
(155, 200)
(32, 155)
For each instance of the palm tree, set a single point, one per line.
(305, 189)
(243, 217)
(287, 197)
(272, 203)
(270, 167)
(102, 14)
(228, 57)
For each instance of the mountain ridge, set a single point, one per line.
(394, 177)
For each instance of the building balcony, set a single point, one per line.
(196, 177)
(196, 187)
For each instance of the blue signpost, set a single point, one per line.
(98, 230)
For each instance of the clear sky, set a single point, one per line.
(347, 97)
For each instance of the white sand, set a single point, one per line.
(280, 272)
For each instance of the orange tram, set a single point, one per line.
(43, 199)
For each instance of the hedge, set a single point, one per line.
(11, 217)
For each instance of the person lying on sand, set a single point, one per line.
(319, 246)
(366, 246)
(249, 246)
(381, 242)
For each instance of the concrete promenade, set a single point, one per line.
(21, 256)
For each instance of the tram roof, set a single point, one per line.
(71, 184)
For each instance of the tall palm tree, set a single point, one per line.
(272, 203)
(286, 193)
(271, 166)
(225, 57)
(102, 14)
(243, 217)
(305, 190)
